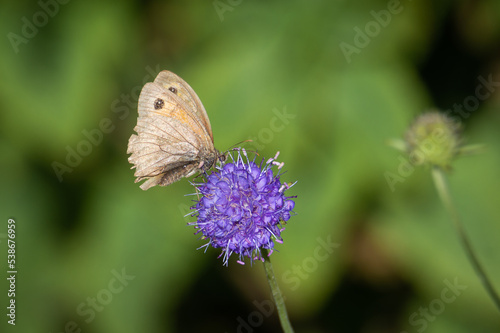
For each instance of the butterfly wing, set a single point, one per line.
(168, 79)
(167, 145)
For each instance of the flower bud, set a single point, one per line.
(433, 139)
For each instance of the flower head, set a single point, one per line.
(242, 207)
(434, 139)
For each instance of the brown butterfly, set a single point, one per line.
(174, 137)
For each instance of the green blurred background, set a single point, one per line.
(251, 62)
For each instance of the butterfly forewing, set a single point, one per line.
(168, 79)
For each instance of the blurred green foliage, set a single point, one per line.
(248, 61)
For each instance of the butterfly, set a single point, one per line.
(174, 137)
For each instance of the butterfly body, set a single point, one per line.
(174, 137)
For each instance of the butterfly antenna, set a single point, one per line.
(239, 143)
(233, 147)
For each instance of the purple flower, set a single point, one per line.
(242, 208)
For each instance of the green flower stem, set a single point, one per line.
(442, 188)
(278, 298)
